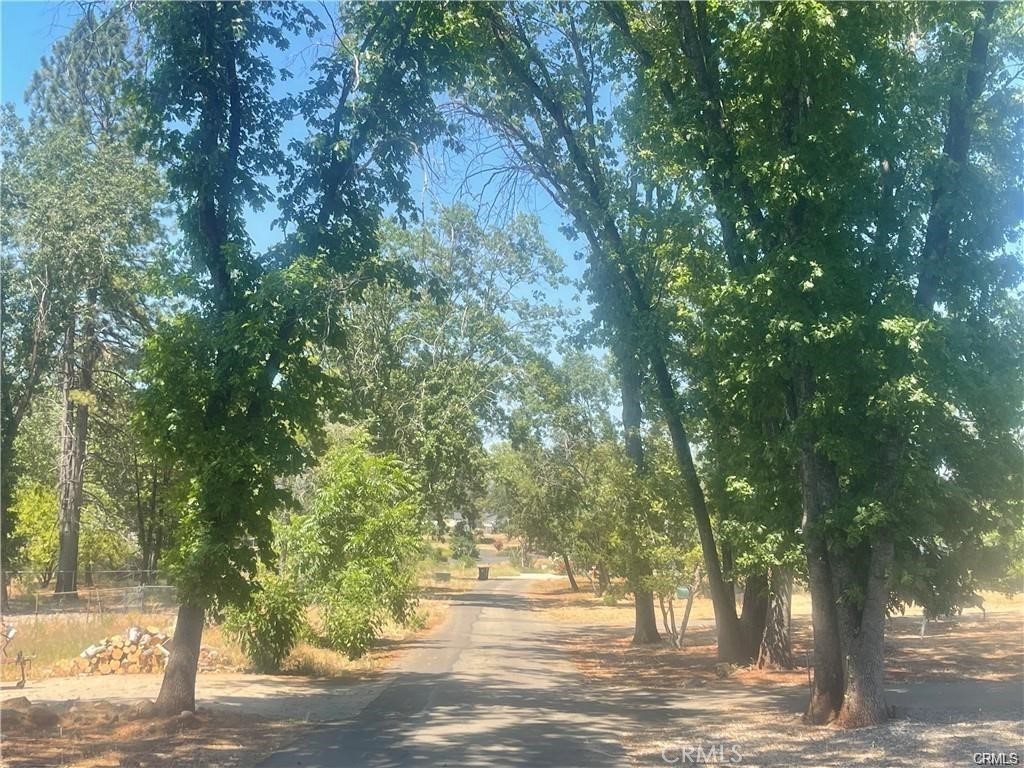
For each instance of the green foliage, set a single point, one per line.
(268, 627)
(104, 544)
(429, 361)
(354, 548)
(352, 614)
(236, 393)
(463, 545)
(35, 513)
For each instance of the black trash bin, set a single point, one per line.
(483, 571)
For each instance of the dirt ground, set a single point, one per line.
(105, 735)
(744, 715)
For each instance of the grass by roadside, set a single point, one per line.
(52, 641)
(967, 646)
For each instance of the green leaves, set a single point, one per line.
(353, 549)
(270, 624)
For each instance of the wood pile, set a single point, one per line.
(139, 649)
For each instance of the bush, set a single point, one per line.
(355, 548)
(352, 613)
(463, 546)
(269, 626)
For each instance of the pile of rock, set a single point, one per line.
(137, 650)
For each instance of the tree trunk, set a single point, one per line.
(178, 689)
(755, 611)
(667, 625)
(646, 625)
(603, 581)
(568, 572)
(862, 636)
(776, 649)
(645, 628)
(6, 482)
(686, 613)
(819, 488)
(732, 646)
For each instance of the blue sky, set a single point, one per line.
(30, 28)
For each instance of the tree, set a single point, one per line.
(235, 388)
(354, 546)
(429, 361)
(549, 115)
(81, 214)
(855, 273)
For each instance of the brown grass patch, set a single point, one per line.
(964, 647)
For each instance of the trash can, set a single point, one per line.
(682, 592)
(483, 571)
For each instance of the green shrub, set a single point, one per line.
(352, 613)
(269, 626)
(463, 546)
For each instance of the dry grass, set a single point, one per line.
(954, 649)
(105, 735)
(313, 661)
(53, 640)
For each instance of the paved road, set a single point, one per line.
(491, 687)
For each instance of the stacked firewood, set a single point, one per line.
(139, 649)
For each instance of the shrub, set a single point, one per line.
(463, 546)
(352, 613)
(269, 626)
(355, 547)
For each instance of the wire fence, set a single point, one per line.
(144, 599)
(96, 591)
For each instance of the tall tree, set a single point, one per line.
(235, 384)
(88, 216)
(841, 320)
(428, 366)
(546, 107)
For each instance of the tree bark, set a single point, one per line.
(74, 435)
(819, 488)
(732, 646)
(755, 611)
(862, 635)
(603, 581)
(645, 627)
(776, 649)
(178, 689)
(568, 572)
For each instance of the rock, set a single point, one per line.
(11, 719)
(17, 704)
(41, 717)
